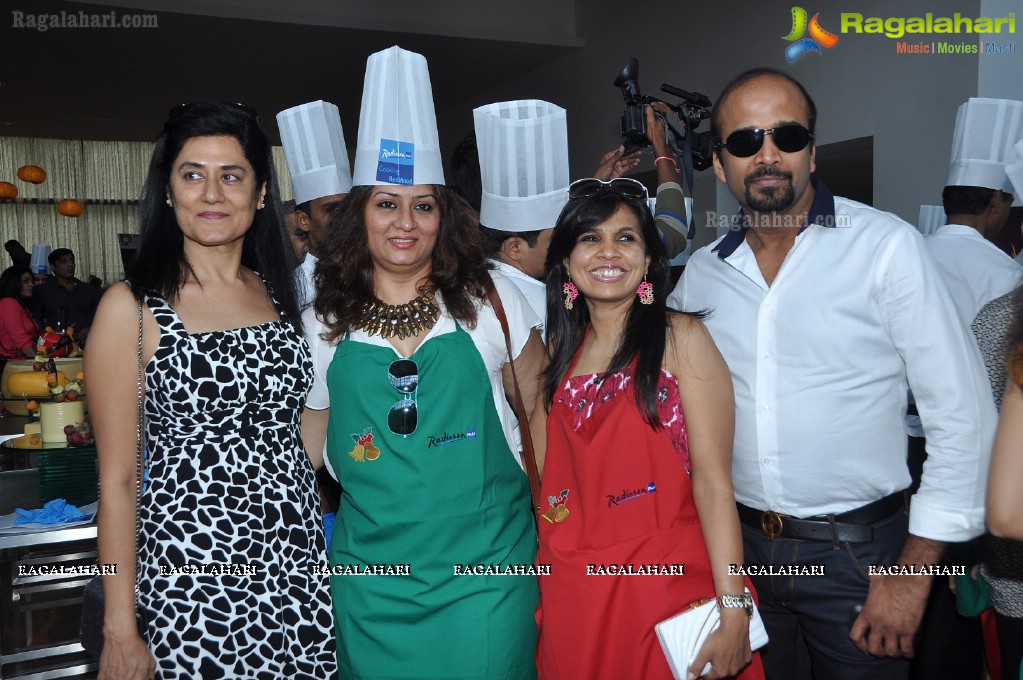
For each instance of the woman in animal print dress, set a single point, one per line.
(231, 547)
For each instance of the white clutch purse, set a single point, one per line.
(683, 635)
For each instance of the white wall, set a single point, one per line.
(1001, 75)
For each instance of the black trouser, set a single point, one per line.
(949, 645)
(811, 615)
(1010, 643)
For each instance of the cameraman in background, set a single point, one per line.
(670, 208)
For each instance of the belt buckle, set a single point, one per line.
(771, 523)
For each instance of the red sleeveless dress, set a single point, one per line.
(618, 517)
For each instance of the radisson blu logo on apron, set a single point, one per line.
(397, 162)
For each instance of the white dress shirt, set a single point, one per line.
(532, 289)
(304, 286)
(820, 361)
(975, 270)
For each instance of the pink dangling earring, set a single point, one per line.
(645, 291)
(571, 293)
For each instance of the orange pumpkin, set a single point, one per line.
(8, 190)
(70, 208)
(32, 174)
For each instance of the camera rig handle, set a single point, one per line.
(694, 98)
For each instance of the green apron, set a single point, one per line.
(449, 494)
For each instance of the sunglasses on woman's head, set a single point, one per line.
(245, 109)
(623, 186)
(788, 138)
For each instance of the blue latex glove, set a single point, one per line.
(328, 527)
(56, 511)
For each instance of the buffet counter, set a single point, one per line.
(43, 571)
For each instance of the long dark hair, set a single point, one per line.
(344, 275)
(10, 283)
(646, 327)
(160, 265)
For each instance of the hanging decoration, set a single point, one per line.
(8, 190)
(70, 208)
(32, 174)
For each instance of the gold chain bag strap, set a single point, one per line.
(93, 601)
(528, 456)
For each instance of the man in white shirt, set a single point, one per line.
(824, 309)
(520, 256)
(974, 269)
(976, 198)
(523, 163)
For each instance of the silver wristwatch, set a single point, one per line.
(744, 601)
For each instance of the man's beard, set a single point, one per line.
(772, 199)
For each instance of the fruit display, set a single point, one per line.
(54, 345)
(25, 380)
(68, 390)
(64, 408)
(79, 434)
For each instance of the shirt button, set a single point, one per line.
(767, 461)
(767, 355)
(764, 409)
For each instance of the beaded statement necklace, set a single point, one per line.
(404, 320)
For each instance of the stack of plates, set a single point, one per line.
(70, 474)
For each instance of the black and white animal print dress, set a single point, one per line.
(232, 538)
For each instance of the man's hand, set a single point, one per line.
(656, 131)
(895, 604)
(891, 615)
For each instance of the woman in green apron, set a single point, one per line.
(410, 362)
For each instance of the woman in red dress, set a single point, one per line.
(638, 517)
(18, 330)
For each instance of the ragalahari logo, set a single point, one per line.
(819, 37)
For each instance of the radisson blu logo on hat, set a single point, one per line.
(819, 37)
(396, 164)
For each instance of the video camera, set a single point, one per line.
(691, 111)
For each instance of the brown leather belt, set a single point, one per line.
(853, 526)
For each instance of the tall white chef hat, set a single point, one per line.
(985, 129)
(398, 140)
(523, 148)
(314, 146)
(40, 262)
(931, 218)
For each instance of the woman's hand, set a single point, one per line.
(125, 657)
(727, 648)
(114, 419)
(1004, 502)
